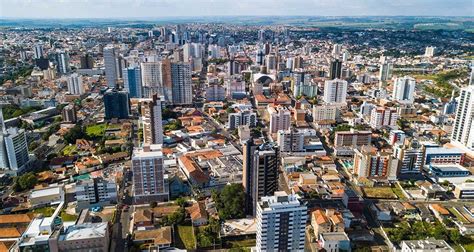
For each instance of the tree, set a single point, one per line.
(25, 181)
(181, 202)
(73, 134)
(231, 201)
(153, 204)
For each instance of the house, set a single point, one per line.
(142, 219)
(439, 211)
(198, 214)
(326, 221)
(155, 239)
(335, 242)
(53, 194)
(15, 220)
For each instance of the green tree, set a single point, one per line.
(25, 181)
(73, 134)
(231, 201)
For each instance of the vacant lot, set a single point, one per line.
(379, 192)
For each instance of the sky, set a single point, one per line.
(199, 8)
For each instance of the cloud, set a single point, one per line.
(170, 8)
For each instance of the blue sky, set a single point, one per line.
(170, 8)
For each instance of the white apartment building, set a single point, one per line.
(280, 118)
(383, 116)
(463, 127)
(335, 91)
(281, 222)
(404, 90)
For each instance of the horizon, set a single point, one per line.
(149, 9)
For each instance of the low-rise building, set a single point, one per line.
(85, 237)
(46, 196)
(428, 245)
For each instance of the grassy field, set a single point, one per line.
(68, 217)
(185, 237)
(245, 244)
(96, 130)
(45, 211)
(398, 191)
(69, 150)
(379, 192)
(441, 88)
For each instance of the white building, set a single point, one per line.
(335, 91)
(243, 117)
(51, 195)
(13, 148)
(38, 51)
(280, 118)
(290, 140)
(404, 90)
(385, 72)
(74, 84)
(214, 51)
(428, 245)
(463, 127)
(430, 51)
(62, 59)
(324, 113)
(281, 222)
(149, 182)
(84, 237)
(110, 63)
(383, 116)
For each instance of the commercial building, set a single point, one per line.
(149, 182)
(87, 61)
(74, 84)
(152, 121)
(383, 117)
(411, 157)
(38, 51)
(335, 70)
(51, 195)
(111, 66)
(442, 155)
(335, 91)
(260, 173)
(280, 118)
(215, 92)
(117, 104)
(463, 127)
(132, 81)
(464, 190)
(281, 223)
(404, 90)
(242, 117)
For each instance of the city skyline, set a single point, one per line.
(211, 8)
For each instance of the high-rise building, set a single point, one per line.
(13, 149)
(69, 114)
(471, 77)
(181, 83)
(411, 156)
(87, 61)
(152, 79)
(336, 50)
(245, 117)
(383, 116)
(62, 60)
(117, 104)
(260, 57)
(271, 61)
(281, 223)
(335, 91)
(335, 71)
(372, 164)
(260, 173)
(214, 51)
(215, 92)
(149, 182)
(38, 51)
(111, 66)
(302, 85)
(132, 81)
(430, 51)
(404, 90)
(385, 72)
(152, 121)
(325, 112)
(74, 84)
(280, 118)
(290, 140)
(298, 62)
(463, 127)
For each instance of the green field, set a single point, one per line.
(185, 237)
(97, 130)
(69, 150)
(379, 192)
(398, 191)
(441, 88)
(45, 211)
